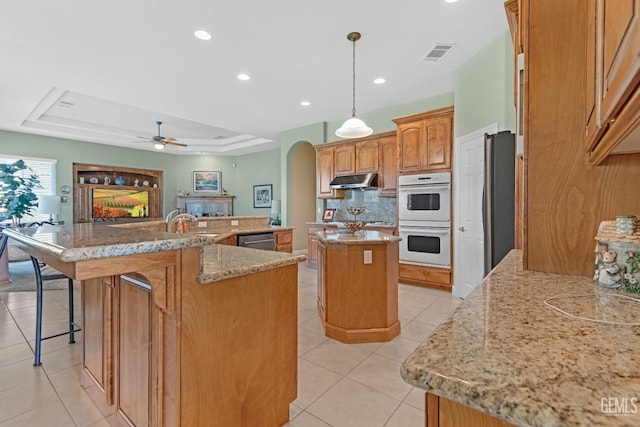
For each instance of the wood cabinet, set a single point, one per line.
(431, 277)
(284, 240)
(88, 178)
(321, 252)
(312, 255)
(425, 141)
(442, 412)
(612, 108)
(358, 301)
(367, 156)
(345, 159)
(375, 153)
(325, 174)
(229, 241)
(206, 206)
(388, 173)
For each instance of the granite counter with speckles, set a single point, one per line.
(507, 353)
(364, 237)
(77, 242)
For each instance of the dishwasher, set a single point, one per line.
(265, 241)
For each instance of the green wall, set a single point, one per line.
(67, 152)
(484, 89)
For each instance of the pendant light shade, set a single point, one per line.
(354, 127)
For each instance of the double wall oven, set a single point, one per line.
(424, 218)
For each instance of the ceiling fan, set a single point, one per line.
(160, 141)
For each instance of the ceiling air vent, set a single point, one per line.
(437, 52)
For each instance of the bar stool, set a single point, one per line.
(44, 273)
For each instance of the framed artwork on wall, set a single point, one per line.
(207, 182)
(262, 195)
(328, 215)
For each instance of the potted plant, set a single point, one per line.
(17, 198)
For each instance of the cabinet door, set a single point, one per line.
(388, 174)
(437, 133)
(322, 291)
(410, 149)
(134, 355)
(593, 77)
(98, 339)
(345, 159)
(283, 241)
(367, 156)
(325, 174)
(620, 52)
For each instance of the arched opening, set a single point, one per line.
(301, 199)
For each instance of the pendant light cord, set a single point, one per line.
(353, 111)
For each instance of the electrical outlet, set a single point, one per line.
(234, 222)
(202, 224)
(368, 258)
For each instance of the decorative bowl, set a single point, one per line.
(354, 226)
(355, 210)
(120, 181)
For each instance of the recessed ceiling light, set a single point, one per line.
(305, 103)
(379, 80)
(202, 35)
(450, 1)
(243, 77)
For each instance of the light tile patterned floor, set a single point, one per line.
(339, 385)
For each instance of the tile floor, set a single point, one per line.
(339, 385)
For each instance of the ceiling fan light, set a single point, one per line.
(354, 128)
(159, 146)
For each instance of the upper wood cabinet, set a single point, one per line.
(425, 141)
(325, 174)
(612, 109)
(345, 159)
(388, 173)
(367, 156)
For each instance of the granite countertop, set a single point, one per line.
(508, 354)
(77, 242)
(337, 224)
(221, 262)
(364, 237)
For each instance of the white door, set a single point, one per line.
(468, 231)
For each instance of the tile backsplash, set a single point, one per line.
(376, 208)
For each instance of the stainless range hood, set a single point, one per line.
(365, 181)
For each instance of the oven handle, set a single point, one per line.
(425, 230)
(423, 186)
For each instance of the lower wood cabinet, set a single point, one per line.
(431, 277)
(229, 241)
(284, 240)
(321, 252)
(441, 412)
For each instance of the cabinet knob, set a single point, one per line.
(462, 229)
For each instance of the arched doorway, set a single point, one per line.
(302, 191)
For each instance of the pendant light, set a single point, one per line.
(354, 127)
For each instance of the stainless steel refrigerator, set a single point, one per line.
(498, 197)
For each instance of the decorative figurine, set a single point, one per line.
(136, 183)
(609, 272)
(107, 180)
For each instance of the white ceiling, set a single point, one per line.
(105, 72)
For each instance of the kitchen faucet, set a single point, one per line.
(170, 215)
(180, 217)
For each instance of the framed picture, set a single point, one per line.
(262, 196)
(207, 182)
(328, 214)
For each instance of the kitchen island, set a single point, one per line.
(505, 356)
(358, 286)
(178, 330)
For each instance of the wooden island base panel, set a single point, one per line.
(178, 331)
(358, 286)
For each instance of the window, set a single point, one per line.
(45, 169)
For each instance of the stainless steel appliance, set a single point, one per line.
(265, 241)
(498, 215)
(424, 244)
(425, 197)
(424, 218)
